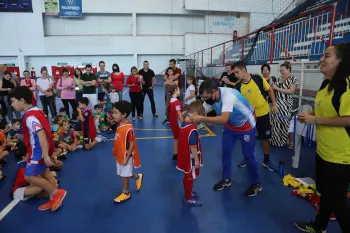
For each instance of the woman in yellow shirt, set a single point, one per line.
(332, 120)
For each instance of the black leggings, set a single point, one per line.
(332, 181)
(48, 102)
(137, 102)
(66, 105)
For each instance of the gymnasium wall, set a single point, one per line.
(121, 31)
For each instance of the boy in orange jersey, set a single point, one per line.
(125, 149)
(189, 158)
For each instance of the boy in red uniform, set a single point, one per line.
(174, 113)
(125, 149)
(40, 146)
(190, 152)
(88, 124)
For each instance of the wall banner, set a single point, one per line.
(70, 8)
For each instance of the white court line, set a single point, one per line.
(125, 91)
(8, 208)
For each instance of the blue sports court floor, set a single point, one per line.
(92, 184)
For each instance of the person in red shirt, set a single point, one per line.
(117, 79)
(135, 82)
(174, 113)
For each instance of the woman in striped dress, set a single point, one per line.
(285, 87)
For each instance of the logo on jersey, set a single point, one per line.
(36, 126)
(249, 92)
(246, 138)
(319, 103)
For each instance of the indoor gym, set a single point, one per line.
(90, 176)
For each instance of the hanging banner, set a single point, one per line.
(62, 63)
(16, 6)
(51, 7)
(70, 8)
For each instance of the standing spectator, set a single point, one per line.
(45, 84)
(103, 77)
(66, 85)
(6, 85)
(117, 78)
(285, 87)
(3, 69)
(266, 70)
(332, 120)
(78, 86)
(150, 80)
(31, 84)
(175, 76)
(88, 80)
(228, 78)
(135, 82)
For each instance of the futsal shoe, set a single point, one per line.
(139, 182)
(192, 202)
(253, 190)
(308, 227)
(58, 198)
(222, 184)
(269, 166)
(47, 205)
(122, 197)
(195, 195)
(242, 164)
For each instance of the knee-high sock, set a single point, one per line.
(188, 185)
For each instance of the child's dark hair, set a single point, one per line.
(62, 110)
(75, 115)
(196, 106)
(20, 150)
(22, 92)
(84, 100)
(97, 106)
(171, 91)
(123, 106)
(14, 121)
(57, 119)
(194, 83)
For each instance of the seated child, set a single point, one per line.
(189, 157)
(68, 141)
(125, 149)
(76, 124)
(63, 113)
(114, 96)
(88, 124)
(57, 126)
(3, 152)
(39, 160)
(21, 189)
(14, 133)
(100, 119)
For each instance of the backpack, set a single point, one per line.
(259, 82)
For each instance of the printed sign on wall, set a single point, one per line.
(51, 7)
(16, 6)
(221, 24)
(70, 8)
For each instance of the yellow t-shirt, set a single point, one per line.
(333, 143)
(253, 94)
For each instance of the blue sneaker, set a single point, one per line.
(242, 164)
(192, 202)
(268, 165)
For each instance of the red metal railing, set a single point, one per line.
(302, 36)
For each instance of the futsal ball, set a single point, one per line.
(70, 1)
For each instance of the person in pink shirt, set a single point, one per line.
(67, 87)
(31, 84)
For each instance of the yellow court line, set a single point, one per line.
(209, 130)
(165, 137)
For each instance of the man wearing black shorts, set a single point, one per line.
(255, 89)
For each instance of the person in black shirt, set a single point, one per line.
(228, 78)
(147, 88)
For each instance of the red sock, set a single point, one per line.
(188, 185)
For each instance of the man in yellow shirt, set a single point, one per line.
(256, 89)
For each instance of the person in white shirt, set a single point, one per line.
(114, 96)
(191, 91)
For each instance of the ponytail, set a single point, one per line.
(171, 91)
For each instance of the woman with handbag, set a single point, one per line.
(6, 85)
(66, 86)
(46, 87)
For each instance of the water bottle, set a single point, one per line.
(281, 168)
